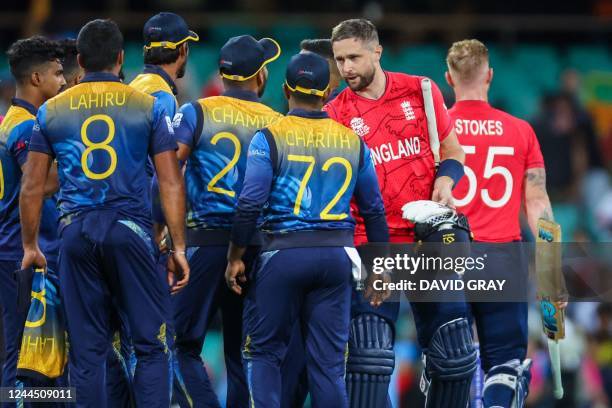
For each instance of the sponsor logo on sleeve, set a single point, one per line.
(169, 125)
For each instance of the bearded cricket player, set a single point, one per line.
(387, 110)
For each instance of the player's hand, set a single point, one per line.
(377, 297)
(442, 192)
(178, 271)
(163, 244)
(234, 275)
(33, 257)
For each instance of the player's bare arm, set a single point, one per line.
(183, 152)
(160, 230)
(537, 203)
(234, 272)
(172, 194)
(443, 186)
(52, 183)
(31, 198)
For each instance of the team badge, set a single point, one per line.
(359, 127)
(408, 111)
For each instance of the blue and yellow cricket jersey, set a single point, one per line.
(15, 133)
(156, 82)
(102, 132)
(305, 168)
(218, 130)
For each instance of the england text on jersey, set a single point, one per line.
(399, 149)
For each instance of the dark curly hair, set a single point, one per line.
(26, 55)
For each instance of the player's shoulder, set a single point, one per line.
(343, 97)
(16, 117)
(401, 81)
(122, 92)
(247, 106)
(20, 134)
(150, 84)
(405, 78)
(343, 105)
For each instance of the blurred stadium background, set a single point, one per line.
(552, 65)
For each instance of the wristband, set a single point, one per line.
(451, 168)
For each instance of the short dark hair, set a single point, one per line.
(306, 98)
(99, 43)
(26, 55)
(358, 28)
(69, 61)
(320, 46)
(231, 84)
(161, 56)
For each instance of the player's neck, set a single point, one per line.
(30, 95)
(171, 70)
(293, 104)
(377, 87)
(471, 94)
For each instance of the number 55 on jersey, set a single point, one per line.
(499, 149)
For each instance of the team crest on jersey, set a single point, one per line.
(359, 127)
(408, 111)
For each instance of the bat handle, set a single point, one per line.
(555, 361)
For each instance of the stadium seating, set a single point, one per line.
(522, 74)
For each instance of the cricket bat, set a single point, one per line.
(551, 292)
(430, 114)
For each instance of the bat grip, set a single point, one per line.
(555, 362)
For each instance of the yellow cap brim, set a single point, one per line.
(263, 41)
(172, 45)
(307, 91)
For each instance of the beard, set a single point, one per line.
(363, 81)
(181, 70)
(262, 89)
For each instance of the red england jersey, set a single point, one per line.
(499, 149)
(394, 127)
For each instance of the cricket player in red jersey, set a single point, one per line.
(387, 110)
(503, 166)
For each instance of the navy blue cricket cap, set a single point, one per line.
(308, 73)
(242, 57)
(167, 30)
